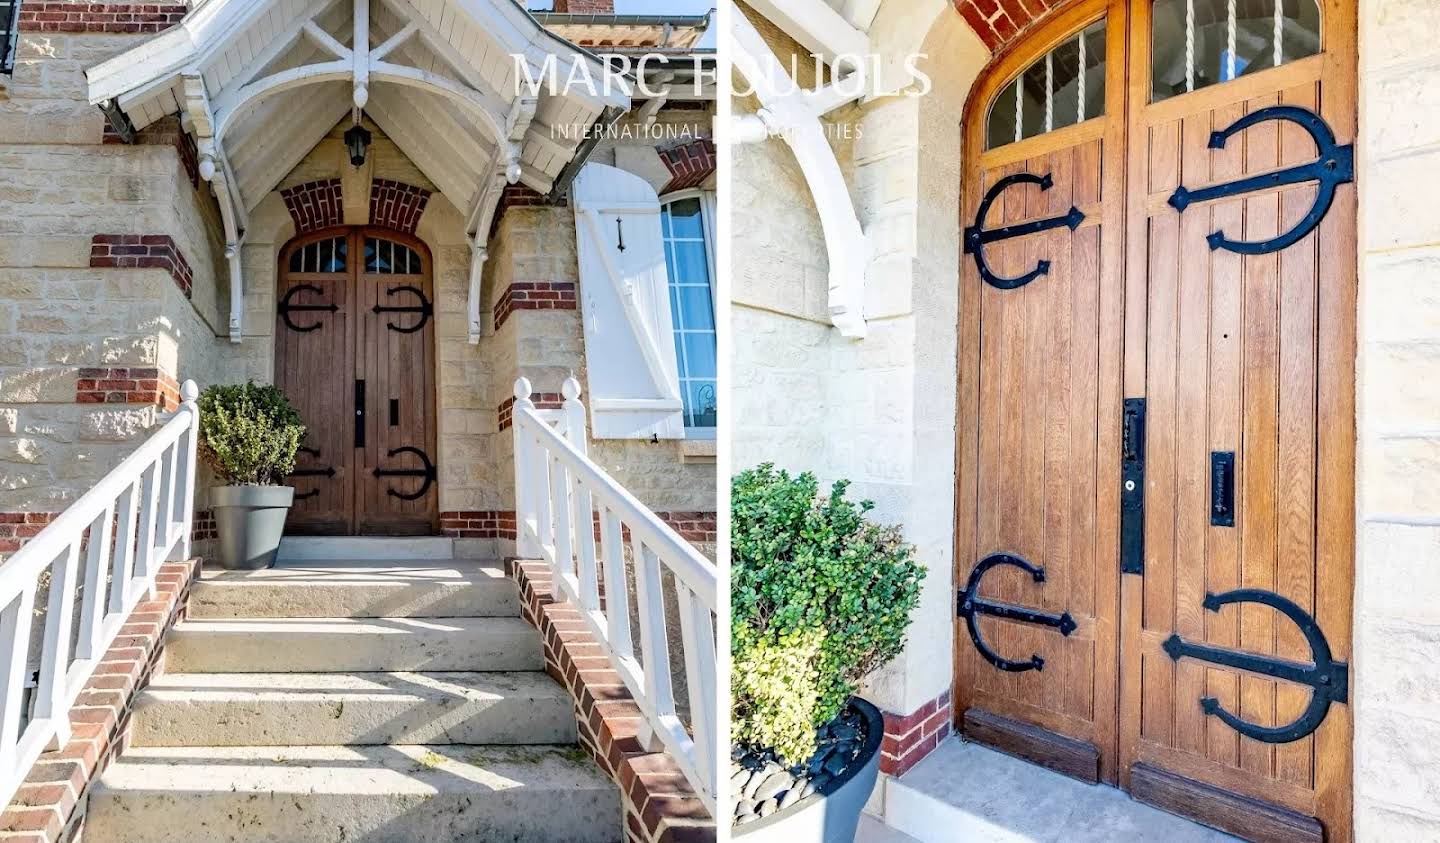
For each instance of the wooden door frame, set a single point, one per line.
(355, 268)
(1337, 319)
(1058, 26)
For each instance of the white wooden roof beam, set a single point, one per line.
(816, 26)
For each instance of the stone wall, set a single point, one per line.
(108, 285)
(1397, 588)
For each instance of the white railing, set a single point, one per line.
(561, 494)
(124, 527)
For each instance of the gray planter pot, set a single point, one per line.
(831, 817)
(250, 521)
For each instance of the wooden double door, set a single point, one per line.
(1154, 535)
(355, 353)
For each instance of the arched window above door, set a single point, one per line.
(1063, 87)
(1197, 43)
(387, 257)
(327, 255)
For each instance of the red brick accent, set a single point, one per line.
(202, 526)
(47, 802)
(163, 131)
(998, 22)
(541, 400)
(16, 527)
(127, 385)
(585, 7)
(397, 205)
(314, 204)
(689, 164)
(693, 527)
(478, 524)
(911, 737)
(659, 804)
(143, 250)
(534, 295)
(99, 17)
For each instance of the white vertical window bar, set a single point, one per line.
(1189, 45)
(1049, 91)
(1279, 30)
(1230, 40)
(1080, 83)
(1019, 101)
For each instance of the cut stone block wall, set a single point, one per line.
(1396, 692)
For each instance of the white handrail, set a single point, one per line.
(561, 498)
(137, 516)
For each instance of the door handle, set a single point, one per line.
(359, 413)
(1222, 488)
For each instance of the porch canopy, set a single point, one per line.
(260, 82)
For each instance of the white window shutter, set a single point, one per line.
(634, 390)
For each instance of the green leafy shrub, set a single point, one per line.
(249, 434)
(819, 597)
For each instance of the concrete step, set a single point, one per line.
(358, 589)
(325, 645)
(329, 794)
(359, 709)
(355, 548)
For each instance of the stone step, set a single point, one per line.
(358, 589)
(298, 709)
(329, 794)
(342, 645)
(356, 548)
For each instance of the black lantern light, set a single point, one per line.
(357, 140)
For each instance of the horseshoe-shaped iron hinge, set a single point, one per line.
(1334, 166)
(977, 236)
(286, 307)
(427, 471)
(969, 605)
(327, 471)
(1328, 679)
(424, 308)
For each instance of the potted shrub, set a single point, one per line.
(249, 434)
(819, 597)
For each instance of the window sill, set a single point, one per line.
(697, 451)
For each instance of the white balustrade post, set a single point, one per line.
(526, 546)
(581, 501)
(189, 393)
(51, 699)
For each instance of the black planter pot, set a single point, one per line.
(250, 521)
(830, 817)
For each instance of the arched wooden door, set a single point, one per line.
(1155, 534)
(355, 353)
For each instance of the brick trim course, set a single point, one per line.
(314, 204)
(659, 804)
(397, 205)
(17, 527)
(911, 737)
(689, 164)
(127, 385)
(54, 16)
(46, 809)
(478, 524)
(142, 251)
(541, 400)
(534, 295)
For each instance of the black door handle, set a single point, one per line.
(1222, 488)
(359, 413)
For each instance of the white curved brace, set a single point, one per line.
(789, 114)
(342, 70)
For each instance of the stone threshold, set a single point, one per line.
(964, 791)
